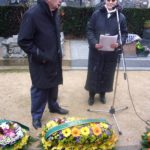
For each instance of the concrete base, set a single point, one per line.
(79, 57)
(76, 57)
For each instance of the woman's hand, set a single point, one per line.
(98, 46)
(114, 45)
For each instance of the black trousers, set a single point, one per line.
(39, 99)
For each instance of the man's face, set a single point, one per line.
(54, 4)
(110, 3)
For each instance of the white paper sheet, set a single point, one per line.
(106, 41)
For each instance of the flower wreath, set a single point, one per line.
(13, 135)
(146, 140)
(77, 133)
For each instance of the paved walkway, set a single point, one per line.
(76, 57)
(79, 57)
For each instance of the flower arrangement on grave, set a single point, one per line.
(76, 133)
(13, 135)
(146, 140)
(140, 49)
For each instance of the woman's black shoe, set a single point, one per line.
(91, 101)
(103, 99)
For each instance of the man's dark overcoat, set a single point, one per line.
(39, 37)
(102, 64)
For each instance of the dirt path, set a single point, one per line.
(15, 101)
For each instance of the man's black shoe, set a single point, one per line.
(103, 99)
(36, 123)
(60, 111)
(91, 101)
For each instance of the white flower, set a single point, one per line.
(16, 126)
(4, 126)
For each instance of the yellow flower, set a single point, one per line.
(75, 132)
(148, 134)
(103, 147)
(25, 139)
(66, 132)
(92, 124)
(17, 146)
(46, 144)
(56, 148)
(114, 138)
(60, 146)
(51, 124)
(85, 131)
(75, 148)
(67, 148)
(104, 125)
(94, 148)
(96, 130)
(43, 140)
(22, 143)
(42, 133)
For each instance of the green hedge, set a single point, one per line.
(10, 17)
(136, 18)
(73, 20)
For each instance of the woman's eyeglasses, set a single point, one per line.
(111, 0)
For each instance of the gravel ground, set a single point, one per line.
(15, 102)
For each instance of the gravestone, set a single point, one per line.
(11, 49)
(146, 38)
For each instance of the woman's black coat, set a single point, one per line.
(102, 64)
(39, 37)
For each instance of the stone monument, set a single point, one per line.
(11, 49)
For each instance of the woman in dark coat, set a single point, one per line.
(102, 64)
(39, 37)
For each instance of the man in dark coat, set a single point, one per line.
(39, 37)
(101, 63)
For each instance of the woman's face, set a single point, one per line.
(110, 4)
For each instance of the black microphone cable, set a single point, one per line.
(125, 74)
(128, 86)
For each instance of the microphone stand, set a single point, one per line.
(112, 109)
